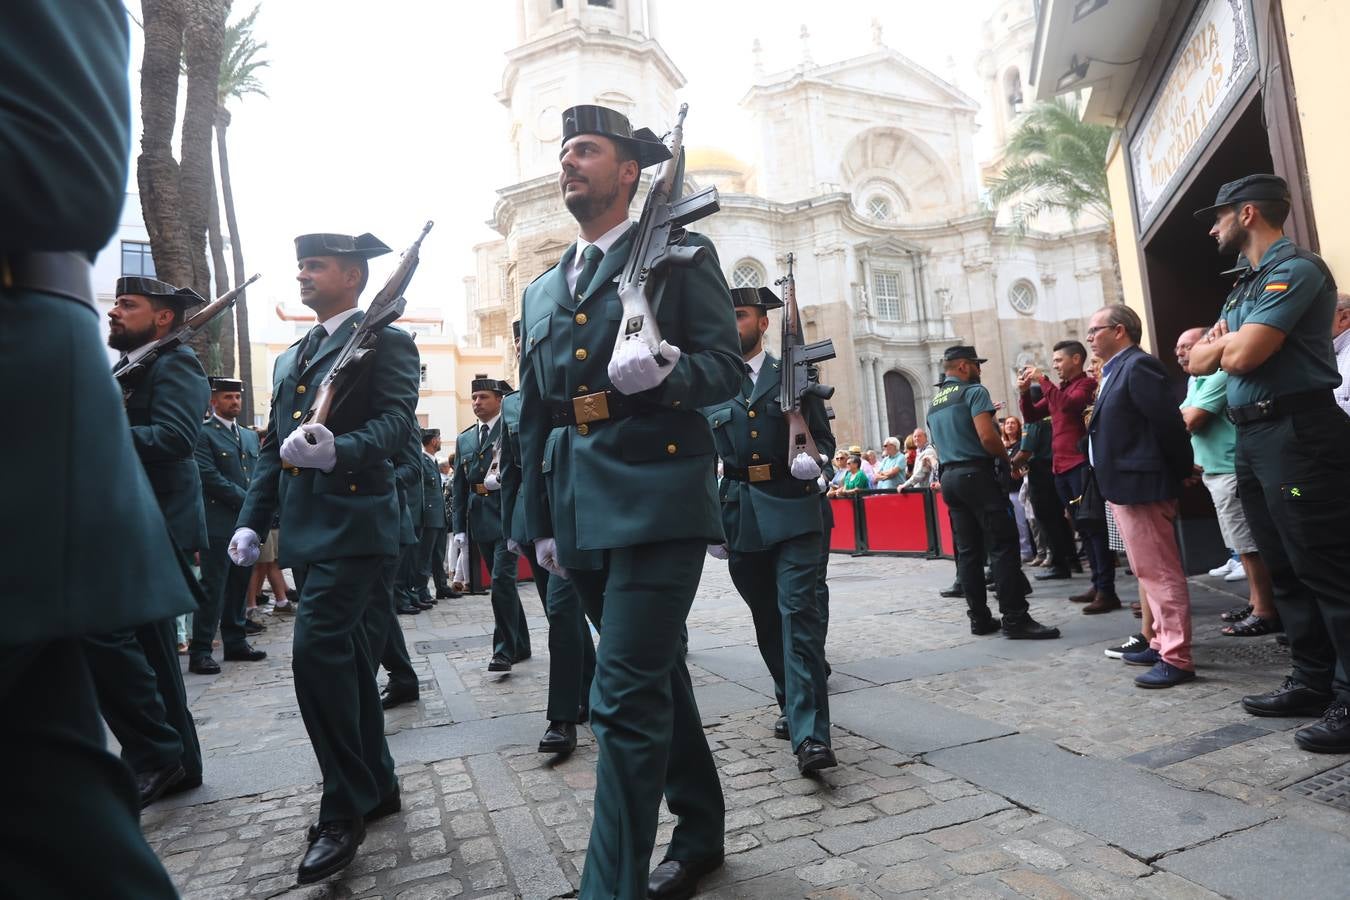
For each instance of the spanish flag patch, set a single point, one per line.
(1277, 286)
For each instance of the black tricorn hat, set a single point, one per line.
(162, 290)
(430, 434)
(587, 119)
(221, 383)
(484, 383)
(962, 351)
(1252, 187)
(760, 297)
(364, 246)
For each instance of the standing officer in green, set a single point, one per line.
(478, 517)
(165, 410)
(961, 422)
(93, 555)
(339, 527)
(624, 502)
(432, 514)
(226, 457)
(571, 652)
(1293, 446)
(771, 511)
(383, 632)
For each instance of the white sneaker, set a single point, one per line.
(1237, 573)
(1223, 570)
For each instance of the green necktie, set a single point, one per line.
(592, 255)
(747, 382)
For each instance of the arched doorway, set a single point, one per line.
(900, 416)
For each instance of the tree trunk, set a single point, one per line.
(221, 328)
(237, 249)
(156, 168)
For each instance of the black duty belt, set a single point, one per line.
(601, 406)
(63, 274)
(757, 474)
(480, 489)
(987, 463)
(1265, 410)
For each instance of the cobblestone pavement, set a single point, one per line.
(970, 767)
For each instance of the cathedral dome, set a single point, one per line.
(712, 159)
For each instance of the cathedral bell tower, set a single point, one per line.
(570, 52)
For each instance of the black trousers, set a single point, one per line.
(1296, 496)
(383, 632)
(1049, 509)
(225, 586)
(983, 523)
(1101, 558)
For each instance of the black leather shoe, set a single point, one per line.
(1028, 629)
(392, 803)
(677, 879)
(333, 848)
(406, 610)
(812, 756)
(954, 591)
(561, 737)
(1293, 698)
(780, 729)
(527, 655)
(1052, 575)
(987, 625)
(182, 785)
(447, 593)
(397, 695)
(423, 604)
(153, 785)
(499, 663)
(203, 665)
(251, 627)
(1330, 735)
(246, 653)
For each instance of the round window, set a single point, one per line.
(1022, 296)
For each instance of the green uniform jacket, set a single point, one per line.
(408, 478)
(352, 510)
(760, 514)
(638, 480)
(85, 549)
(225, 468)
(165, 411)
(513, 501)
(433, 502)
(482, 513)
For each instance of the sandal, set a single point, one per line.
(1236, 614)
(1253, 626)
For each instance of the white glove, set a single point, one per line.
(804, 467)
(633, 369)
(492, 482)
(546, 554)
(461, 576)
(461, 540)
(514, 547)
(299, 452)
(822, 484)
(718, 551)
(244, 547)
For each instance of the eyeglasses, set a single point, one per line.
(1096, 328)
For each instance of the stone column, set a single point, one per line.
(869, 408)
(879, 379)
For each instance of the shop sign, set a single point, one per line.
(1208, 72)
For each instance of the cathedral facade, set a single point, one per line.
(864, 170)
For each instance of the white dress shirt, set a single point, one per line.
(604, 242)
(333, 324)
(755, 363)
(1342, 344)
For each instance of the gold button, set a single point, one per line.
(751, 413)
(297, 414)
(672, 449)
(754, 456)
(581, 389)
(581, 353)
(300, 389)
(352, 488)
(583, 429)
(581, 318)
(754, 434)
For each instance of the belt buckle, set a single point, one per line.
(294, 470)
(480, 489)
(1264, 407)
(590, 407)
(760, 473)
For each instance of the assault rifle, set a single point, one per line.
(129, 374)
(659, 243)
(800, 377)
(387, 306)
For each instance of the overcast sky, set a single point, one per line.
(380, 116)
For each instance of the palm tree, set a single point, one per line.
(238, 64)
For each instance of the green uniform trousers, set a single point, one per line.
(335, 683)
(822, 583)
(140, 691)
(427, 543)
(510, 631)
(405, 575)
(439, 574)
(571, 652)
(54, 761)
(384, 634)
(780, 585)
(645, 719)
(225, 586)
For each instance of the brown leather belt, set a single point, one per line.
(480, 489)
(601, 406)
(1265, 410)
(757, 474)
(64, 274)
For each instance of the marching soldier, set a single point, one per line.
(622, 500)
(571, 652)
(387, 644)
(138, 676)
(226, 456)
(961, 421)
(478, 515)
(432, 521)
(771, 510)
(339, 527)
(93, 556)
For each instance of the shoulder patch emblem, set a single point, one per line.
(1277, 286)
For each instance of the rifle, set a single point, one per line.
(387, 306)
(659, 243)
(799, 371)
(129, 374)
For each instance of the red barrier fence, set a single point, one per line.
(912, 522)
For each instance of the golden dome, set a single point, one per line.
(712, 159)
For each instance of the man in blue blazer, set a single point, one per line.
(1141, 453)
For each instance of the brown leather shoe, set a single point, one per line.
(1086, 597)
(1102, 603)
